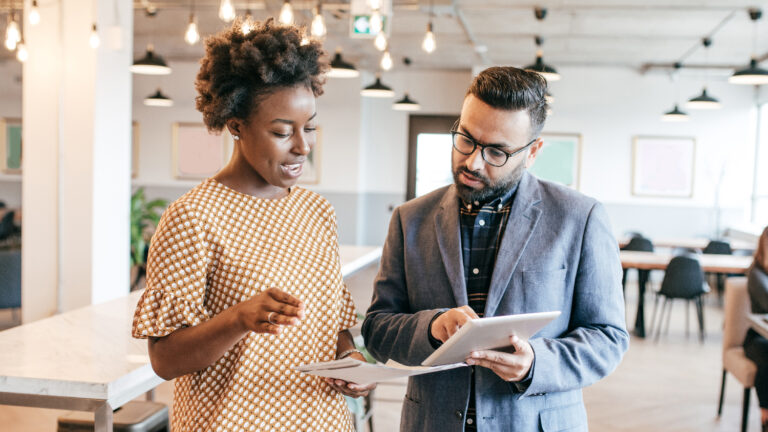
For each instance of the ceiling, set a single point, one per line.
(624, 33)
(639, 34)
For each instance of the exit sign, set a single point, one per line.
(361, 26)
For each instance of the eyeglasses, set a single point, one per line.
(491, 154)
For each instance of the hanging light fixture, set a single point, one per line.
(386, 61)
(548, 72)
(150, 64)
(752, 74)
(406, 103)
(676, 115)
(374, 4)
(704, 101)
(429, 44)
(380, 42)
(192, 36)
(376, 22)
(34, 14)
(94, 40)
(286, 13)
(158, 99)
(12, 32)
(378, 89)
(247, 25)
(318, 27)
(21, 51)
(341, 68)
(227, 11)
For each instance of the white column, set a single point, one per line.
(76, 173)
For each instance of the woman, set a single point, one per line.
(243, 278)
(756, 346)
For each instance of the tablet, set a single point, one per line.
(488, 333)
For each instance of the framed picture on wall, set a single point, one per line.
(135, 137)
(559, 159)
(311, 174)
(197, 154)
(663, 166)
(11, 148)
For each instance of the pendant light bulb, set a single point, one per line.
(286, 13)
(21, 52)
(34, 14)
(227, 11)
(376, 22)
(318, 24)
(374, 4)
(12, 34)
(192, 35)
(247, 25)
(380, 42)
(94, 39)
(429, 44)
(386, 61)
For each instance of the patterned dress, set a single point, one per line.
(215, 247)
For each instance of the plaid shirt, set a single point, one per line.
(482, 227)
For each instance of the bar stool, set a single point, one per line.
(135, 416)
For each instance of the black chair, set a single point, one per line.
(7, 227)
(641, 244)
(718, 247)
(10, 281)
(683, 279)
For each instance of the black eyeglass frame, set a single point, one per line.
(475, 144)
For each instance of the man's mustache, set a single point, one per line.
(475, 174)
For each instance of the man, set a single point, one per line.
(499, 241)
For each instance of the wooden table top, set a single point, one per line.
(709, 263)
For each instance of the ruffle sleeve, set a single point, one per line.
(176, 276)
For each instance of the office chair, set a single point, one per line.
(735, 325)
(682, 280)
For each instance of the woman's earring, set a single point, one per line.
(235, 137)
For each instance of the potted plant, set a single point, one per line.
(144, 218)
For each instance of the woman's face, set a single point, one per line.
(277, 137)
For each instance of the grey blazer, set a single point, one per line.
(557, 253)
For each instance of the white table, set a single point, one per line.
(86, 359)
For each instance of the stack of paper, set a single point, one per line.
(362, 373)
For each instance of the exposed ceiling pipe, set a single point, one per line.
(470, 36)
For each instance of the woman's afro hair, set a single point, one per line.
(239, 69)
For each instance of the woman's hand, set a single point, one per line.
(268, 311)
(348, 388)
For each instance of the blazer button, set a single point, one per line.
(459, 414)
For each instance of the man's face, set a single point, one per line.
(505, 130)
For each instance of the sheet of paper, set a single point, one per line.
(355, 371)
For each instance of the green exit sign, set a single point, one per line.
(361, 26)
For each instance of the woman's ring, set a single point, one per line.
(269, 318)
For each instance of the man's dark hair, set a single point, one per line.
(510, 88)
(239, 70)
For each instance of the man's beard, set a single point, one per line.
(490, 191)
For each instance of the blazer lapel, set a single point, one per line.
(448, 234)
(523, 217)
